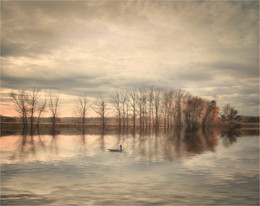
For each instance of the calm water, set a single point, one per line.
(171, 168)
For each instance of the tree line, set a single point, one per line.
(155, 107)
(31, 105)
(137, 107)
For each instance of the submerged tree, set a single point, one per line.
(41, 108)
(20, 104)
(124, 106)
(53, 107)
(192, 112)
(150, 106)
(33, 100)
(157, 101)
(230, 116)
(133, 104)
(142, 107)
(116, 104)
(82, 108)
(178, 97)
(167, 107)
(101, 108)
(211, 111)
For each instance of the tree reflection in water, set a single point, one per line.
(53, 145)
(41, 142)
(82, 148)
(101, 140)
(171, 144)
(229, 136)
(171, 160)
(151, 145)
(23, 143)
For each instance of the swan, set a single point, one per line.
(116, 150)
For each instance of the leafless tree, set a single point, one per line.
(141, 102)
(33, 100)
(133, 103)
(127, 112)
(101, 108)
(157, 101)
(150, 106)
(210, 108)
(123, 103)
(20, 103)
(140, 107)
(116, 104)
(167, 107)
(53, 106)
(164, 107)
(178, 96)
(82, 108)
(41, 109)
(144, 101)
(170, 116)
(192, 112)
(125, 107)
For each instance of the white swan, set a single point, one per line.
(116, 150)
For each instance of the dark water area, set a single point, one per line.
(74, 167)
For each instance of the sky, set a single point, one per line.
(207, 48)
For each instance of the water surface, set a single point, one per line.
(155, 168)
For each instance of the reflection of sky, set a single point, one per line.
(225, 163)
(18, 149)
(73, 173)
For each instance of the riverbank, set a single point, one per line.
(12, 128)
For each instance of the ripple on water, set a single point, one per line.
(147, 172)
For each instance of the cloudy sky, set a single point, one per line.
(209, 48)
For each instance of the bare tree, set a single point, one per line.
(140, 107)
(53, 106)
(164, 108)
(125, 107)
(116, 104)
(20, 103)
(167, 107)
(133, 102)
(144, 102)
(32, 100)
(41, 109)
(178, 96)
(82, 108)
(123, 102)
(192, 112)
(157, 100)
(210, 108)
(127, 112)
(141, 102)
(150, 106)
(102, 108)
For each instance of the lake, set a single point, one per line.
(154, 168)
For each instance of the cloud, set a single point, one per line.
(98, 46)
(71, 82)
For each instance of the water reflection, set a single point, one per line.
(229, 136)
(152, 145)
(162, 167)
(82, 148)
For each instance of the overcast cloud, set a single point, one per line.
(209, 48)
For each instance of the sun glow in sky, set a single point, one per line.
(208, 48)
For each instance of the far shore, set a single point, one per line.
(11, 128)
(243, 125)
